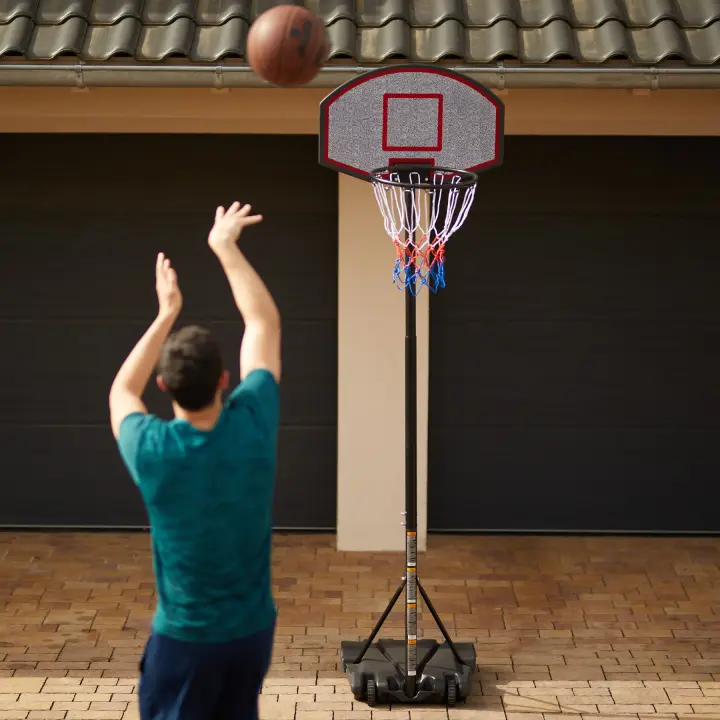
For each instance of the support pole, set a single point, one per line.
(411, 623)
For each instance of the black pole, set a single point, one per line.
(410, 465)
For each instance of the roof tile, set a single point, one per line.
(15, 36)
(55, 12)
(50, 41)
(540, 45)
(704, 44)
(605, 42)
(658, 43)
(104, 41)
(379, 44)
(217, 12)
(216, 42)
(486, 45)
(163, 12)
(698, 13)
(373, 31)
(435, 43)
(589, 13)
(107, 12)
(686, 13)
(161, 41)
(342, 34)
(434, 12)
(332, 11)
(376, 13)
(10, 9)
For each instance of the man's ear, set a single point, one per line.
(160, 383)
(225, 380)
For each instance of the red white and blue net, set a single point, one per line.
(422, 209)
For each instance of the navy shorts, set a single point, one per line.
(203, 681)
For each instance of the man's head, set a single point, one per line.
(190, 369)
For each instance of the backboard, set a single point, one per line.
(410, 114)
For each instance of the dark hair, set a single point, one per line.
(190, 366)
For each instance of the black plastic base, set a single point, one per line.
(384, 664)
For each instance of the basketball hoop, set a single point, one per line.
(423, 206)
(413, 124)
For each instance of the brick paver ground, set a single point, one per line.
(564, 626)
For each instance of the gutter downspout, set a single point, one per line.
(500, 76)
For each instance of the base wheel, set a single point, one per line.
(371, 693)
(451, 692)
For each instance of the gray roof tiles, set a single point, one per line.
(371, 31)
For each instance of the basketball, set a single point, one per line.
(287, 45)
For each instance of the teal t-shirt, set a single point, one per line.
(209, 497)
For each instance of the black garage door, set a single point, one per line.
(81, 220)
(575, 353)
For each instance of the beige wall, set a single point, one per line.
(371, 310)
(371, 391)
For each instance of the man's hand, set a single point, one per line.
(260, 347)
(228, 226)
(132, 378)
(166, 283)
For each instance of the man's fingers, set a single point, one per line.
(252, 220)
(219, 212)
(159, 264)
(233, 208)
(245, 210)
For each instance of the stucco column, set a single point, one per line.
(371, 376)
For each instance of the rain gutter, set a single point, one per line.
(499, 76)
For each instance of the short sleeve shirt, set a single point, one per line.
(209, 497)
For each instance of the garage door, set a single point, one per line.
(81, 219)
(575, 354)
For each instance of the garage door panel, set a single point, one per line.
(576, 373)
(590, 338)
(76, 474)
(66, 476)
(529, 266)
(96, 259)
(61, 372)
(166, 173)
(77, 291)
(617, 175)
(578, 340)
(575, 479)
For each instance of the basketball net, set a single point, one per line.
(421, 212)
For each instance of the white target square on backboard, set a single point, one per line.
(412, 121)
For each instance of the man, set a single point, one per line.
(207, 480)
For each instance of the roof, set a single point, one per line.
(473, 32)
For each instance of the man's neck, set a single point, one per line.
(204, 419)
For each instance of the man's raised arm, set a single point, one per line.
(260, 348)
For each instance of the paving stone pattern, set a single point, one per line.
(601, 628)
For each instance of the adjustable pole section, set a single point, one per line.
(411, 623)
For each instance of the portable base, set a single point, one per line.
(380, 676)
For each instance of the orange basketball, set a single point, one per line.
(287, 45)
